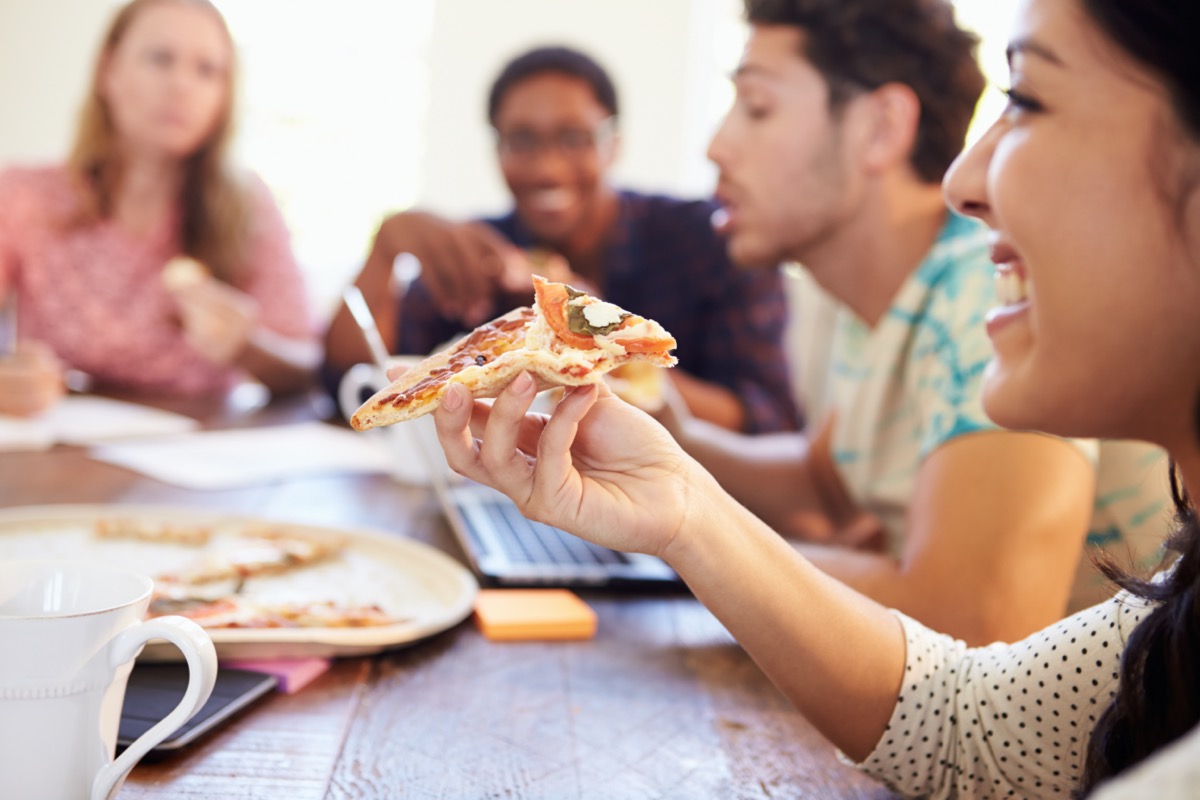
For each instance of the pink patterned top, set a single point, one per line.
(95, 294)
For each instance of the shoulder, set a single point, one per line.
(47, 181)
(265, 217)
(32, 195)
(256, 191)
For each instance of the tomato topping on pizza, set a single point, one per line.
(568, 338)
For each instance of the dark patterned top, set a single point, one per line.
(665, 262)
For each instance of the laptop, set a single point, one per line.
(506, 549)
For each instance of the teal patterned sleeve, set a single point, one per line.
(951, 346)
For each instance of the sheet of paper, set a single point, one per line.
(86, 420)
(229, 459)
(20, 433)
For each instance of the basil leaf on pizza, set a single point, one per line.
(568, 338)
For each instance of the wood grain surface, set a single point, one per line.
(661, 704)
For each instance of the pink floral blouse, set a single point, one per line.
(95, 293)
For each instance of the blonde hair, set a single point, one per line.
(214, 203)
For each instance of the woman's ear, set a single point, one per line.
(891, 115)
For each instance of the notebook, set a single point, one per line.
(506, 549)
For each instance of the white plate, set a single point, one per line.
(411, 581)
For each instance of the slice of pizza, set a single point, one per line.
(241, 612)
(256, 552)
(157, 532)
(568, 338)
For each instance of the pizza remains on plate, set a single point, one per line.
(234, 611)
(208, 590)
(146, 531)
(264, 552)
(568, 338)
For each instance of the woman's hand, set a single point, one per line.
(217, 319)
(31, 380)
(596, 467)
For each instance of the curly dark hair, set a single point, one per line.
(860, 45)
(563, 60)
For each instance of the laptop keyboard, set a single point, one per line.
(527, 542)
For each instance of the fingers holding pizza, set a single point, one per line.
(597, 467)
(568, 338)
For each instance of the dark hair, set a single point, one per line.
(562, 60)
(1157, 698)
(860, 45)
(1160, 36)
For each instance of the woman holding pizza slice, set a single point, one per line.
(1090, 184)
(145, 261)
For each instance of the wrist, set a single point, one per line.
(705, 510)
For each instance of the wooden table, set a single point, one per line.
(661, 704)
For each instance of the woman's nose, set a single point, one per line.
(965, 184)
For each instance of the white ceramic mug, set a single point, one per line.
(360, 382)
(413, 445)
(69, 631)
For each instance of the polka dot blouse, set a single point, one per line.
(1007, 720)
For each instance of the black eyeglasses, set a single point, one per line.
(574, 143)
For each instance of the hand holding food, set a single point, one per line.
(521, 265)
(31, 380)
(217, 319)
(597, 466)
(462, 264)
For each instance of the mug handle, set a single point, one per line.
(197, 648)
(357, 379)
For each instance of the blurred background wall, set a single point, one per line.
(355, 108)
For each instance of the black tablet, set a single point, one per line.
(155, 689)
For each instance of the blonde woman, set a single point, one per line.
(84, 246)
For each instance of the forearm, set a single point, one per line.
(836, 655)
(710, 401)
(768, 473)
(282, 364)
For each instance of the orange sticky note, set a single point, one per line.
(508, 615)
